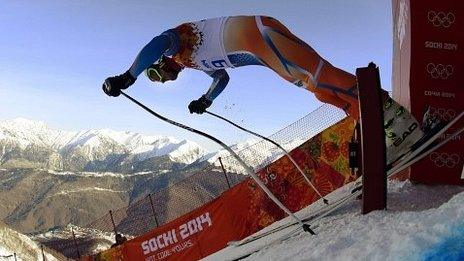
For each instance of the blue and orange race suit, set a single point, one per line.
(213, 45)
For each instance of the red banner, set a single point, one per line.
(245, 209)
(428, 69)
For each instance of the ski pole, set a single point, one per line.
(280, 147)
(305, 227)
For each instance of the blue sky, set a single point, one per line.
(54, 56)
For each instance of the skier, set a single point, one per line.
(212, 45)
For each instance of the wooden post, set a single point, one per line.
(112, 221)
(225, 173)
(373, 151)
(153, 210)
(43, 254)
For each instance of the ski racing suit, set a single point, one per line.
(213, 45)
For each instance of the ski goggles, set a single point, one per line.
(154, 74)
(166, 64)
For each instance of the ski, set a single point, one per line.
(315, 214)
(406, 160)
(334, 203)
(426, 144)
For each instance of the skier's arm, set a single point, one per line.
(220, 80)
(167, 43)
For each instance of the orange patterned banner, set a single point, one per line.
(245, 209)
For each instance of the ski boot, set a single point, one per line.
(431, 124)
(402, 130)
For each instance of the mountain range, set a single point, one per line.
(31, 144)
(50, 178)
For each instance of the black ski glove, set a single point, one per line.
(199, 106)
(113, 85)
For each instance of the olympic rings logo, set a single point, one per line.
(441, 19)
(442, 113)
(440, 71)
(444, 159)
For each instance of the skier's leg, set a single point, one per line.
(333, 81)
(293, 59)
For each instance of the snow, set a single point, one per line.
(87, 190)
(5, 252)
(27, 132)
(98, 144)
(255, 151)
(212, 157)
(258, 153)
(421, 223)
(24, 247)
(102, 174)
(181, 154)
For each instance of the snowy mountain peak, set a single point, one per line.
(27, 122)
(103, 145)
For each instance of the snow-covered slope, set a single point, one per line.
(27, 132)
(421, 223)
(12, 242)
(211, 157)
(32, 142)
